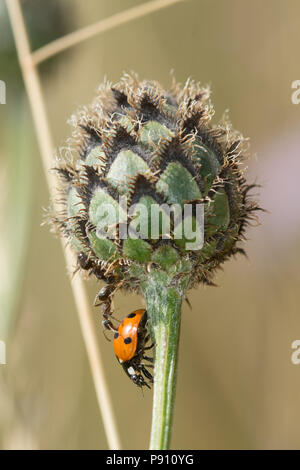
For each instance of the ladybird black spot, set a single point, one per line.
(127, 340)
(116, 335)
(131, 315)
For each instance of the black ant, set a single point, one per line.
(105, 294)
(104, 298)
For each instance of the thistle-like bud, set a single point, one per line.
(152, 183)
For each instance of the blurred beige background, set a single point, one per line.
(237, 387)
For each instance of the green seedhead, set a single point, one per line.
(153, 148)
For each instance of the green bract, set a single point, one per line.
(153, 148)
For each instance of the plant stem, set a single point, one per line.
(164, 310)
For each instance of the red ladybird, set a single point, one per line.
(130, 345)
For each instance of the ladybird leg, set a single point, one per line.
(150, 359)
(147, 374)
(147, 385)
(147, 338)
(147, 365)
(146, 341)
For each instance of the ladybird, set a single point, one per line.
(130, 345)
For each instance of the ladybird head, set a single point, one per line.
(135, 375)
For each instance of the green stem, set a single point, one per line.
(164, 310)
